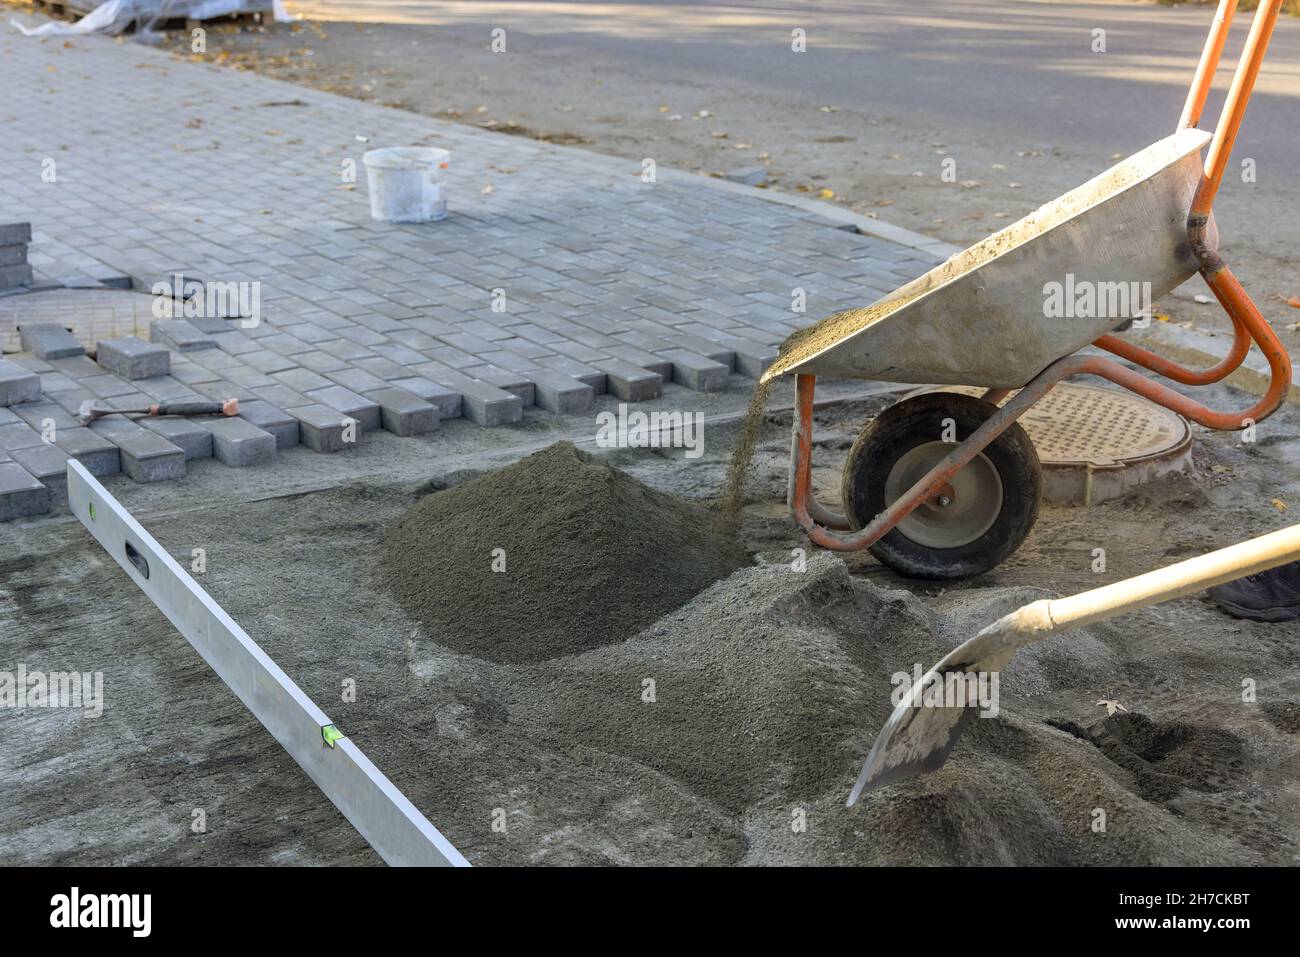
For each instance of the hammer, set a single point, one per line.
(89, 412)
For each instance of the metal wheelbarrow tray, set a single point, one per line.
(947, 486)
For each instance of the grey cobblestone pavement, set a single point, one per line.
(130, 163)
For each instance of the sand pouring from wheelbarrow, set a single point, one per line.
(945, 485)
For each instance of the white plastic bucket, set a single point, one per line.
(403, 183)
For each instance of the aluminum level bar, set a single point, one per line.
(399, 833)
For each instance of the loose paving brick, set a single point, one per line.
(447, 401)
(19, 435)
(561, 394)
(95, 452)
(326, 430)
(49, 465)
(22, 495)
(269, 418)
(240, 444)
(191, 438)
(350, 404)
(484, 404)
(403, 413)
(12, 234)
(696, 372)
(17, 384)
(133, 358)
(146, 456)
(47, 340)
(181, 335)
(629, 382)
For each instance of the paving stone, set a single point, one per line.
(46, 414)
(748, 176)
(17, 384)
(238, 443)
(349, 403)
(447, 401)
(12, 277)
(586, 374)
(49, 465)
(190, 437)
(302, 380)
(646, 360)
(74, 367)
(13, 255)
(49, 340)
(95, 452)
(107, 386)
(403, 413)
(324, 429)
(133, 358)
(484, 404)
(560, 393)
(696, 372)
(19, 435)
(181, 335)
(507, 381)
(271, 419)
(22, 495)
(629, 382)
(14, 233)
(358, 380)
(146, 455)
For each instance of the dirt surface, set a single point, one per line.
(726, 732)
(554, 554)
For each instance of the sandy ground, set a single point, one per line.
(771, 684)
(769, 689)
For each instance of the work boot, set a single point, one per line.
(1272, 595)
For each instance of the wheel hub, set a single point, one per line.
(960, 512)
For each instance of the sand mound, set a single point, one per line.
(768, 683)
(591, 556)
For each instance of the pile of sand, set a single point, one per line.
(553, 555)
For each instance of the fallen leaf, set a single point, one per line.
(825, 193)
(1112, 706)
(1278, 504)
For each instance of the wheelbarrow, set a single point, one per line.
(945, 485)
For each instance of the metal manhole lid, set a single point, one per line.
(1087, 425)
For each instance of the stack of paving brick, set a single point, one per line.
(15, 271)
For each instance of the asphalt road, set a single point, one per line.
(1022, 68)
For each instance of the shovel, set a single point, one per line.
(918, 736)
(89, 412)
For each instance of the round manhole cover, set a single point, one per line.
(1095, 443)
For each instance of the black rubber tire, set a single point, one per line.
(919, 420)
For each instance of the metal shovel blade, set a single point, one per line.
(919, 736)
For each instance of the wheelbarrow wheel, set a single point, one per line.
(981, 518)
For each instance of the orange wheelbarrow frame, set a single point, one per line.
(833, 531)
